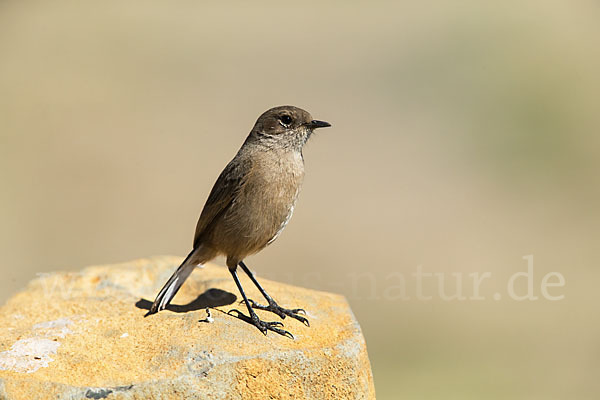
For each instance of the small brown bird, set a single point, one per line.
(249, 205)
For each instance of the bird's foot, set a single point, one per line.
(262, 326)
(282, 312)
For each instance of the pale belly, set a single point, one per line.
(283, 224)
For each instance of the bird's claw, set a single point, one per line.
(262, 326)
(239, 313)
(282, 312)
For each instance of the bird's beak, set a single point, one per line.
(317, 124)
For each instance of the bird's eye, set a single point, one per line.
(285, 120)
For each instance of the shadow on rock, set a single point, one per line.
(210, 298)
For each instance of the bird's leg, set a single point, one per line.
(253, 319)
(273, 306)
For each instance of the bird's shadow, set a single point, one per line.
(210, 298)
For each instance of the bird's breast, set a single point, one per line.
(266, 201)
(272, 189)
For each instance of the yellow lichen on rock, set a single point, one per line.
(84, 335)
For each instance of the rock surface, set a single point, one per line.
(84, 336)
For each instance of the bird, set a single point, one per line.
(248, 207)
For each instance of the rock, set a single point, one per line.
(83, 335)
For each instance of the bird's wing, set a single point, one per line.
(220, 198)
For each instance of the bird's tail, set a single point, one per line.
(170, 289)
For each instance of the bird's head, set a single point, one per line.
(285, 127)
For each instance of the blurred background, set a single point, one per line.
(465, 137)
